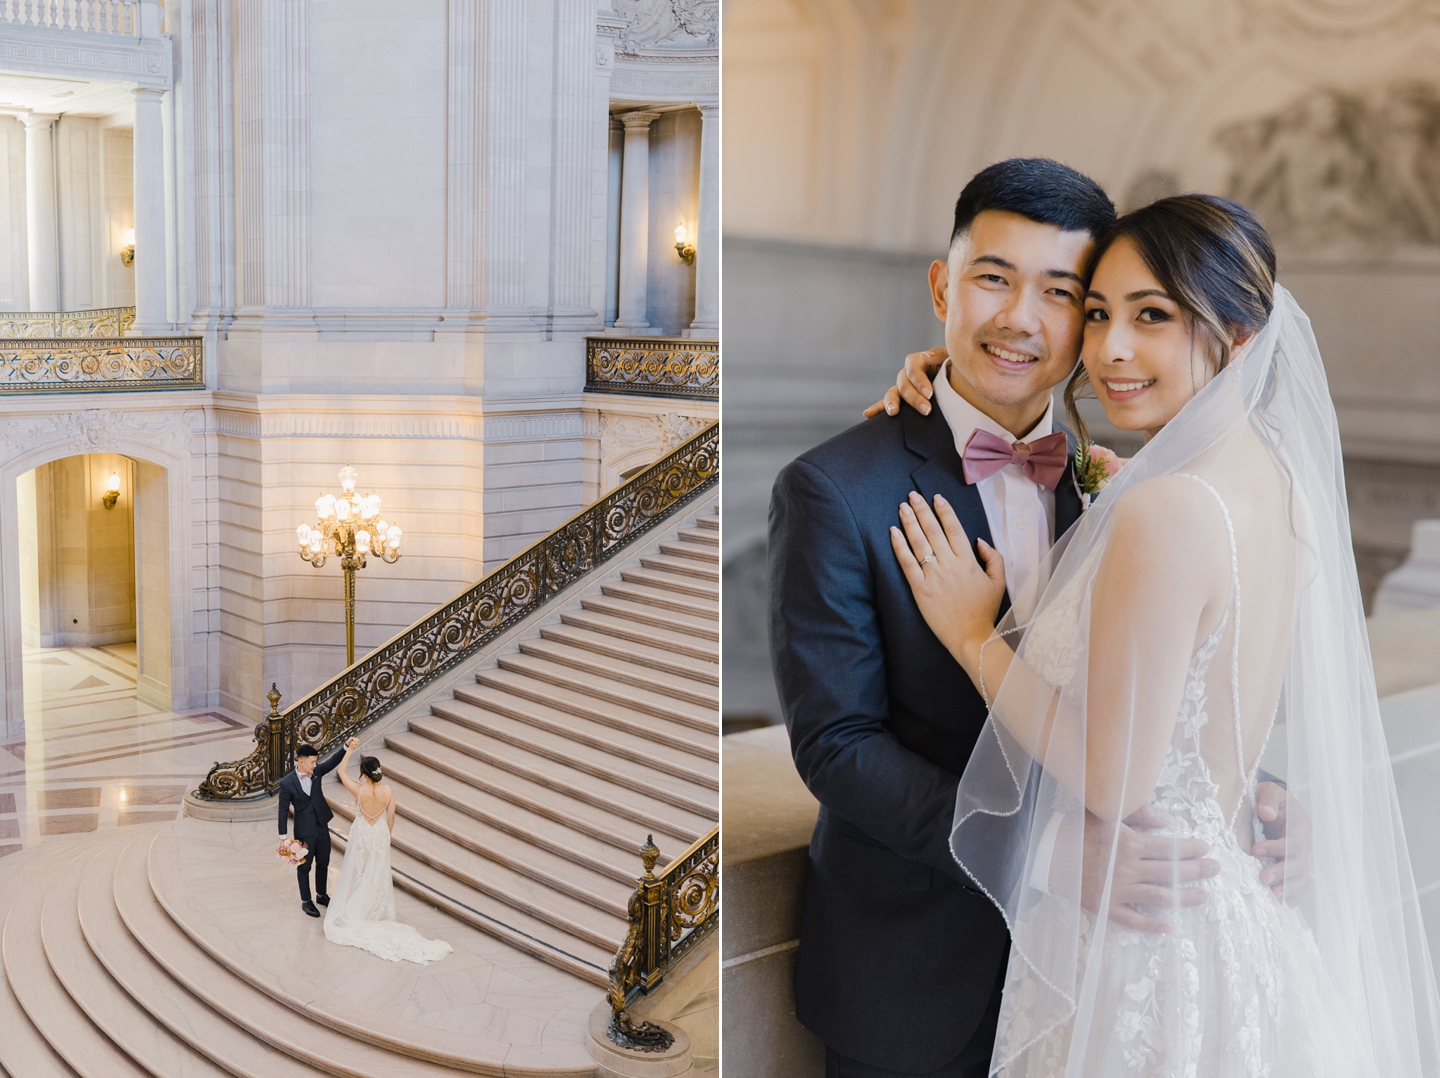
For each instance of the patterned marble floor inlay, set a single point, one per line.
(94, 757)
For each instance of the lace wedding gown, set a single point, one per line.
(1237, 988)
(362, 908)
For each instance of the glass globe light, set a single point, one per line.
(325, 506)
(342, 509)
(317, 542)
(303, 534)
(381, 528)
(392, 536)
(348, 475)
(362, 542)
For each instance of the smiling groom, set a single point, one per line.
(901, 960)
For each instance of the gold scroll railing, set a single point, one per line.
(102, 322)
(669, 914)
(93, 365)
(385, 678)
(653, 367)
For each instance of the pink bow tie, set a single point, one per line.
(1043, 459)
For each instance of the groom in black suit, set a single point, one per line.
(902, 960)
(301, 788)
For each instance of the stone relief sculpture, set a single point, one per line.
(1340, 168)
(669, 25)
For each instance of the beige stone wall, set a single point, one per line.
(84, 553)
(152, 587)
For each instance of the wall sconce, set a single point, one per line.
(686, 251)
(127, 253)
(112, 491)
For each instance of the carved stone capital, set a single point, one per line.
(641, 119)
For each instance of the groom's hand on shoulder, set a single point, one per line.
(914, 384)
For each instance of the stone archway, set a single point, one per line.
(154, 441)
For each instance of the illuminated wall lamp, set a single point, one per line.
(112, 491)
(127, 253)
(685, 250)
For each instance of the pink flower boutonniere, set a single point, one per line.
(1095, 466)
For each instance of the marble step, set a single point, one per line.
(668, 580)
(654, 653)
(417, 810)
(23, 1050)
(706, 536)
(681, 565)
(320, 1027)
(609, 858)
(654, 637)
(711, 520)
(485, 914)
(580, 920)
(627, 789)
(581, 811)
(508, 717)
(679, 686)
(87, 981)
(707, 551)
(665, 598)
(166, 1001)
(552, 682)
(56, 1016)
(700, 624)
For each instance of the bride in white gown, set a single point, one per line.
(1203, 613)
(362, 905)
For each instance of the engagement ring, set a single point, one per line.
(928, 558)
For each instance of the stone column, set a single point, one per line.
(40, 237)
(707, 244)
(634, 221)
(150, 313)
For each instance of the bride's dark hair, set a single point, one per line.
(1213, 258)
(370, 768)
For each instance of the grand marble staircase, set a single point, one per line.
(524, 797)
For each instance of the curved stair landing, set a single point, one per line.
(181, 951)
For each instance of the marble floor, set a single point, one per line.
(94, 757)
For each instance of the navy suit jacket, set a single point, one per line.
(899, 953)
(312, 811)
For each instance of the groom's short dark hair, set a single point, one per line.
(1039, 189)
(306, 750)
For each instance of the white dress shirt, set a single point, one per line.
(1021, 512)
(305, 784)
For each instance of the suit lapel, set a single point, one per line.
(1067, 499)
(943, 473)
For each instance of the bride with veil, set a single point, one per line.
(1202, 617)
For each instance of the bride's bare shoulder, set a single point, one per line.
(1170, 511)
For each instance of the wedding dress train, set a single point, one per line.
(362, 909)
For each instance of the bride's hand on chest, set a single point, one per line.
(958, 596)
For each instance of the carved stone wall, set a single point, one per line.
(637, 433)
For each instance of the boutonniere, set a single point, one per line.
(1095, 466)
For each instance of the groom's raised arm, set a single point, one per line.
(829, 665)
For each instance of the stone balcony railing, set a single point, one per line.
(120, 17)
(653, 367)
(104, 322)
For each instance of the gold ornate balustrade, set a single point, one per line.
(385, 678)
(103, 322)
(92, 365)
(653, 367)
(669, 914)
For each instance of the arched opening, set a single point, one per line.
(93, 555)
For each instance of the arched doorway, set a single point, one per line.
(94, 588)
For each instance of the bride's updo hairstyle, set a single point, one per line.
(1212, 257)
(370, 768)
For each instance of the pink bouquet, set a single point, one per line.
(292, 851)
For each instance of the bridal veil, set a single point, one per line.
(1289, 689)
